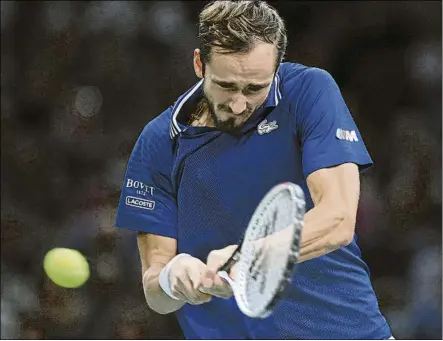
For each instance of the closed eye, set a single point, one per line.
(227, 86)
(255, 88)
(232, 86)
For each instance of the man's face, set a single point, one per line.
(235, 85)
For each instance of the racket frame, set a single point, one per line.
(235, 257)
(297, 196)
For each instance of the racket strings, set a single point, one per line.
(268, 250)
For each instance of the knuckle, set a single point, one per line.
(196, 302)
(176, 273)
(182, 276)
(176, 291)
(192, 294)
(173, 284)
(202, 296)
(214, 263)
(214, 254)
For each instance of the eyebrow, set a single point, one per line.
(231, 84)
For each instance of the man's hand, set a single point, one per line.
(186, 275)
(215, 286)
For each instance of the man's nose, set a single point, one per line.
(238, 105)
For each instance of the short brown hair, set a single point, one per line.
(235, 26)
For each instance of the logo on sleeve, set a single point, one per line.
(140, 203)
(348, 135)
(141, 188)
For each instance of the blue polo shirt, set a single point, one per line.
(201, 186)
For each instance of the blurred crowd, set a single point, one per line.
(80, 80)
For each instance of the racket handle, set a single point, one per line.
(224, 276)
(232, 260)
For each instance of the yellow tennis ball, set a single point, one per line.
(67, 268)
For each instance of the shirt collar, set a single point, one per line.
(273, 99)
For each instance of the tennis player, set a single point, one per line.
(198, 171)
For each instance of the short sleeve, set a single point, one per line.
(147, 203)
(327, 132)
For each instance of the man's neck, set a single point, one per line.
(201, 116)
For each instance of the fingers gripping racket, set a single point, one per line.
(268, 252)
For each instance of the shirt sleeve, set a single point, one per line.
(147, 203)
(326, 130)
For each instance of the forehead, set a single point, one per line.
(258, 65)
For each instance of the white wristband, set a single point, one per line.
(163, 278)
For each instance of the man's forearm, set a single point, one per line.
(326, 229)
(321, 246)
(156, 298)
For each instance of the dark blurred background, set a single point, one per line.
(80, 80)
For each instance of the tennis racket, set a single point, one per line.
(268, 252)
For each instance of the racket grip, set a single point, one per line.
(224, 276)
(232, 260)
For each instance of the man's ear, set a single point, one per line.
(198, 64)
